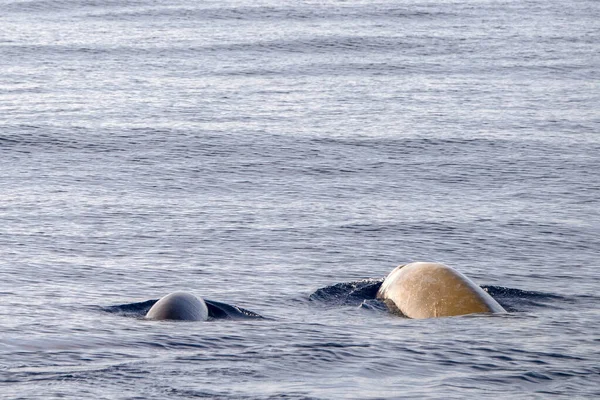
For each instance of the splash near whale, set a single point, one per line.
(428, 290)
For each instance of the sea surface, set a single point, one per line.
(279, 156)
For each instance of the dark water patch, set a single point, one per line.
(347, 293)
(4, 141)
(185, 345)
(226, 395)
(515, 300)
(338, 69)
(216, 310)
(536, 151)
(320, 45)
(139, 309)
(54, 373)
(267, 13)
(330, 344)
(405, 227)
(62, 6)
(518, 355)
(484, 367)
(49, 139)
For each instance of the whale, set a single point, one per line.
(428, 290)
(179, 306)
(183, 306)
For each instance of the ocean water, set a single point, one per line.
(279, 156)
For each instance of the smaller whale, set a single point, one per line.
(179, 306)
(171, 306)
(428, 290)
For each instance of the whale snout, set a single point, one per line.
(179, 306)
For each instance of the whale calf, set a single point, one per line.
(182, 306)
(179, 306)
(428, 290)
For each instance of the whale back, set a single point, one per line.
(427, 290)
(179, 306)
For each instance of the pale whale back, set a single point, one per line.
(179, 306)
(427, 290)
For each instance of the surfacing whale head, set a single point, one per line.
(179, 306)
(427, 290)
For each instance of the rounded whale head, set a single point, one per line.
(427, 290)
(179, 306)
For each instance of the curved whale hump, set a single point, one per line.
(427, 290)
(179, 306)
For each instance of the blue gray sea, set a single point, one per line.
(279, 156)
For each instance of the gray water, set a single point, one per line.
(253, 152)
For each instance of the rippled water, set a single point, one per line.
(272, 156)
